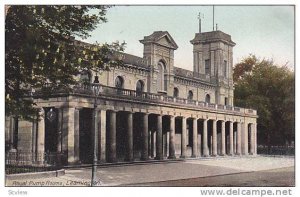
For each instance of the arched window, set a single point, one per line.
(119, 82)
(160, 76)
(207, 98)
(140, 86)
(176, 93)
(190, 95)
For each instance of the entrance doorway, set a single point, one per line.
(85, 135)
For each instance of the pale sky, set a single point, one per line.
(266, 31)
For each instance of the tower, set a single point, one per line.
(159, 51)
(212, 54)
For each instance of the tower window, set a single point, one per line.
(176, 92)
(225, 68)
(190, 95)
(207, 98)
(207, 67)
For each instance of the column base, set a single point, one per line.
(222, 154)
(206, 155)
(183, 156)
(144, 158)
(193, 156)
(230, 154)
(172, 157)
(112, 161)
(238, 154)
(159, 158)
(128, 159)
(214, 155)
(70, 163)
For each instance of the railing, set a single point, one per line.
(24, 162)
(146, 96)
(276, 150)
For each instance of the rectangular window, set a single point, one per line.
(226, 101)
(207, 67)
(225, 68)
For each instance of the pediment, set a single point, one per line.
(162, 38)
(167, 41)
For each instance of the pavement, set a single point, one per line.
(159, 172)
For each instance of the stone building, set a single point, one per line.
(147, 109)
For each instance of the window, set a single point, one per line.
(176, 93)
(207, 67)
(160, 77)
(225, 68)
(119, 82)
(207, 98)
(139, 86)
(226, 101)
(190, 95)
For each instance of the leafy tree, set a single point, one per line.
(41, 52)
(262, 85)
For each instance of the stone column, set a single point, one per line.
(112, 155)
(144, 155)
(234, 142)
(33, 138)
(153, 144)
(239, 139)
(251, 140)
(214, 139)
(159, 152)
(183, 138)
(70, 132)
(76, 134)
(231, 138)
(172, 138)
(255, 138)
(59, 130)
(129, 145)
(223, 149)
(41, 137)
(199, 144)
(195, 135)
(102, 136)
(205, 147)
(11, 132)
(245, 138)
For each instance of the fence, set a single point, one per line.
(22, 162)
(276, 150)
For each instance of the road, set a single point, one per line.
(276, 177)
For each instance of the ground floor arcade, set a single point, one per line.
(133, 133)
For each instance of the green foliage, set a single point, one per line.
(41, 52)
(261, 85)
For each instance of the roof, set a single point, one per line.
(213, 36)
(156, 36)
(131, 59)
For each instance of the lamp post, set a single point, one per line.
(96, 91)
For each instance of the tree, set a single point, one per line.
(262, 85)
(41, 52)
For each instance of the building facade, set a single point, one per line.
(146, 109)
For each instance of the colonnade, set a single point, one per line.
(235, 143)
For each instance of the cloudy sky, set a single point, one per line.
(266, 31)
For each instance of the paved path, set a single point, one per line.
(134, 174)
(281, 177)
